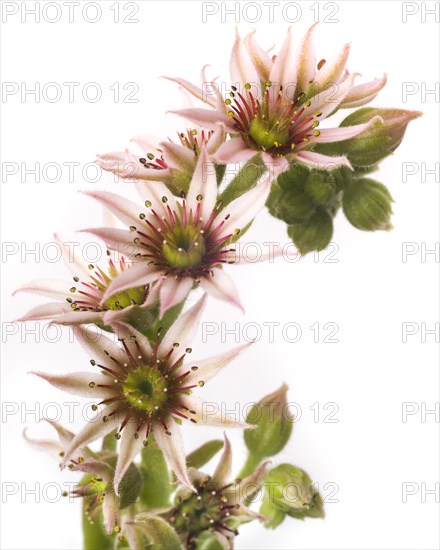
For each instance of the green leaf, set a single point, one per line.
(246, 178)
(94, 535)
(204, 453)
(156, 487)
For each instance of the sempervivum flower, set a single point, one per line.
(180, 242)
(219, 505)
(277, 103)
(143, 389)
(96, 487)
(166, 161)
(81, 300)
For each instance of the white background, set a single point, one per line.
(365, 287)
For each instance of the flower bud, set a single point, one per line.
(291, 205)
(367, 204)
(313, 234)
(376, 143)
(290, 489)
(274, 425)
(320, 186)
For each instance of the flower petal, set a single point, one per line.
(110, 510)
(45, 311)
(254, 479)
(78, 318)
(208, 368)
(65, 436)
(52, 288)
(321, 162)
(93, 430)
(120, 240)
(332, 70)
(260, 58)
(220, 285)
(306, 61)
(241, 67)
(139, 274)
(124, 209)
(183, 330)
(243, 210)
(172, 447)
(130, 447)
(205, 118)
(210, 414)
(177, 156)
(99, 347)
(342, 133)
(364, 91)
(173, 291)
(194, 90)
(232, 151)
(85, 384)
(204, 184)
(124, 330)
(281, 73)
(53, 448)
(223, 471)
(159, 195)
(76, 265)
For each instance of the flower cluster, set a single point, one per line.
(170, 251)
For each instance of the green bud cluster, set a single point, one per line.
(307, 201)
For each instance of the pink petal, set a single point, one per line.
(52, 288)
(156, 192)
(204, 184)
(342, 133)
(208, 368)
(281, 72)
(139, 274)
(234, 150)
(78, 318)
(124, 164)
(220, 285)
(65, 436)
(218, 136)
(210, 414)
(45, 311)
(78, 383)
(92, 431)
(124, 209)
(364, 91)
(110, 510)
(241, 67)
(52, 448)
(193, 90)
(206, 118)
(260, 58)
(243, 210)
(99, 347)
(327, 101)
(306, 62)
(120, 240)
(172, 447)
(173, 291)
(117, 320)
(253, 480)
(77, 266)
(130, 447)
(332, 70)
(183, 330)
(178, 156)
(321, 162)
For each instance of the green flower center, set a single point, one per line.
(146, 389)
(268, 133)
(184, 247)
(126, 298)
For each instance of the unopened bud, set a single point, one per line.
(274, 425)
(367, 204)
(313, 234)
(292, 491)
